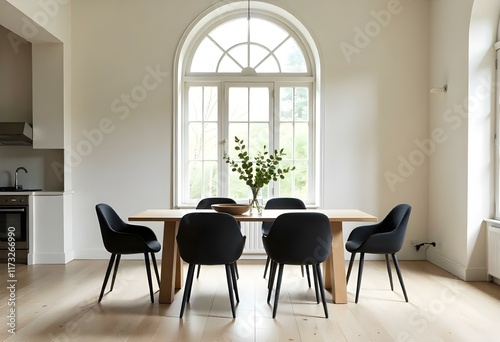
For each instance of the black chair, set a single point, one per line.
(283, 203)
(210, 239)
(385, 237)
(123, 238)
(298, 239)
(206, 203)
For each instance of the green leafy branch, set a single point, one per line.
(263, 168)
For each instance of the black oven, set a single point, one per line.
(14, 228)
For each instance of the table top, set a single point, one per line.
(335, 215)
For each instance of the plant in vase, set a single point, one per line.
(258, 172)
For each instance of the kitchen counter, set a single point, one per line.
(32, 193)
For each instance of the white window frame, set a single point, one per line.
(203, 25)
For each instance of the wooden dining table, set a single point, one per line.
(171, 266)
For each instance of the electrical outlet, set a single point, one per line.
(413, 243)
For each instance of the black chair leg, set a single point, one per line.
(321, 288)
(267, 266)
(315, 277)
(236, 270)
(272, 275)
(150, 281)
(230, 288)
(400, 276)
(308, 276)
(198, 272)
(389, 270)
(235, 284)
(360, 274)
(278, 287)
(187, 288)
(106, 277)
(117, 263)
(353, 256)
(155, 266)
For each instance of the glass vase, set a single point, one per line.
(255, 202)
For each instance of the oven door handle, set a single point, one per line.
(12, 210)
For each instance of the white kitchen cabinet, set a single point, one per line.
(50, 231)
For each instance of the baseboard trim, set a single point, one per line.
(51, 258)
(461, 271)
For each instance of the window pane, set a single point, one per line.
(237, 188)
(240, 55)
(195, 103)
(286, 104)
(206, 57)
(231, 33)
(290, 57)
(202, 103)
(259, 104)
(257, 55)
(268, 65)
(195, 179)
(238, 104)
(300, 177)
(227, 64)
(301, 106)
(258, 137)
(294, 104)
(210, 141)
(286, 138)
(195, 141)
(301, 142)
(211, 108)
(210, 176)
(286, 185)
(266, 33)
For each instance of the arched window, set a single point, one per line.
(251, 74)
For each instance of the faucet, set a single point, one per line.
(16, 182)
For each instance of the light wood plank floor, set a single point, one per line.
(59, 303)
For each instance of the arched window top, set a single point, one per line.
(248, 46)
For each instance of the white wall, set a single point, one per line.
(461, 185)
(375, 105)
(448, 165)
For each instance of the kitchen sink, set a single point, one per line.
(13, 189)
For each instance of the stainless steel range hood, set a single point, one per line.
(16, 134)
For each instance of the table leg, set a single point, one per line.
(168, 263)
(335, 266)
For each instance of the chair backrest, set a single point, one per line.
(281, 203)
(206, 203)
(396, 221)
(210, 239)
(299, 238)
(110, 223)
(390, 233)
